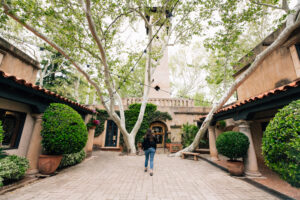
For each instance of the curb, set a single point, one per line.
(17, 185)
(252, 182)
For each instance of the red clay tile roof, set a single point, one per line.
(45, 91)
(261, 96)
(275, 91)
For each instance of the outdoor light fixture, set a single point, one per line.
(157, 88)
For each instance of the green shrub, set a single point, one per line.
(13, 168)
(221, 124)
(232, 144)
(64, 131)
(1, 139)
(72, 159)
(1, 132)
(168, 140)
(1, 181)
(281, 143)
(188, 134)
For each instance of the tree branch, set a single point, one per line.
(110, 86)
(55, 46)
(142, 16)
(283, 7)
(114, 21)
(283, 36)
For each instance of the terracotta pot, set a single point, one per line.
(139, 144)
(49, 163)
(168, 145)
(92, 127)
(235, 168)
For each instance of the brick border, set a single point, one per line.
(252, 182)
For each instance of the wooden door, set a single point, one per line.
(111, 134)
(159, 133)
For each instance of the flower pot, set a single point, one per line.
(92, 127)
(235, 168)
(139, 144)
(49, 163)
(167, 145)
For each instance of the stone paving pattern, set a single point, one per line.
(108, 176)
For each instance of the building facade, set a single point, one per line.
(274, 84)
(22, 104)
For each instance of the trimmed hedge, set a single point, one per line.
(64, 131)
(12, 168)
(232, 144)
(281, 143)
(72, 159)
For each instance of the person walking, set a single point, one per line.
(149, 146)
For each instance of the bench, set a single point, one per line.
(186, 154)
(203, 151)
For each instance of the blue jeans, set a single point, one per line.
(149, 152)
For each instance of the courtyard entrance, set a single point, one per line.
(159, 130)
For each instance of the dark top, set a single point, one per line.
(148, 144)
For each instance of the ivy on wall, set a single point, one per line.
(102, 116)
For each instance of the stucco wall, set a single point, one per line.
(28, 125)
(277, 66)
(18, 68)
(161, 78)
(180, 116)
(99, 141)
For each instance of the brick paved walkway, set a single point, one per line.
(109, 176)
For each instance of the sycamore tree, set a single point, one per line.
(93, 33)
(235, 15)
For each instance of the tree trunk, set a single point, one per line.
(131, 144)
(76, 92)
(293, 22)
(87, 97)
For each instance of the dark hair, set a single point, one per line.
(149, 135)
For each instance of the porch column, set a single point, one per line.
(212, 143)
(89, 144)
(35, 147)
(251, 167)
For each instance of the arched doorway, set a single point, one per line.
(159, 130)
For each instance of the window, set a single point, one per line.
(157, 129)
(298, 50)
(13, 123)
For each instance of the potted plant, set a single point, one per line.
(92, 123)
(139, 143)
(168, 142)
(233, 145)
(221, 124)
(63, 132)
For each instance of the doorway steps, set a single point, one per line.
(110, 148)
